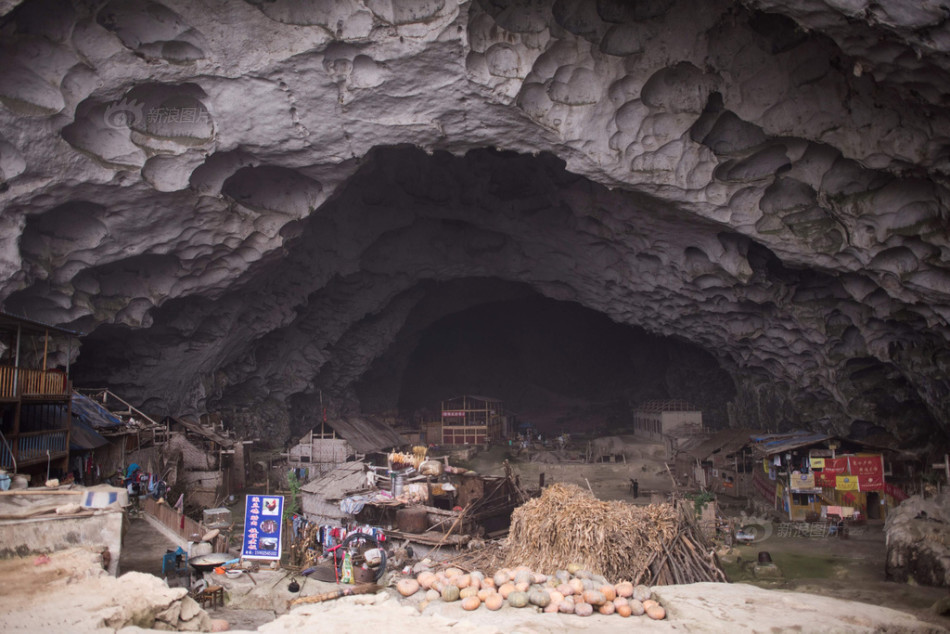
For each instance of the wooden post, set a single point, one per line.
(946, 466)
(45, 348)
(16, 370)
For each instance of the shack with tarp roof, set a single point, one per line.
(809, 476)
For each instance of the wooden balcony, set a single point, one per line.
(31, 448)
(20, 382)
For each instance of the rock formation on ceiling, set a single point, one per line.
(248, 203)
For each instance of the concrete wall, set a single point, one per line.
(48, 534)
(674, 420)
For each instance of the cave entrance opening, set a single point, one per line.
(558, 366)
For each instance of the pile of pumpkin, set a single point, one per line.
(570, 591)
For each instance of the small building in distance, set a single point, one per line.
(667, 421)
(807, 476)
(469, 420)
(323, 449)
(723, 463)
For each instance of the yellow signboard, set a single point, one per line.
(846, 483)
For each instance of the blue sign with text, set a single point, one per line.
(262, 518)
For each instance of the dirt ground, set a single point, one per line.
(820, 571)
(851, 568)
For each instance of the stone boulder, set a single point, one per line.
(918, 541)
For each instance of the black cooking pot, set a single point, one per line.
(207, 563)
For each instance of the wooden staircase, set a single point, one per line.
(121, 408)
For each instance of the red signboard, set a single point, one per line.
(833, 467)
(869, 470)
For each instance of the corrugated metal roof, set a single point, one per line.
(31, 325)
(349, 476)
(366, 435)
(725, 442)
(201, 430)
(778, 443)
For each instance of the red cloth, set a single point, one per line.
(869, 471)
(895, 492)
(833, 467)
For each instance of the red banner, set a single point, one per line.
(895, 492)
(833, 467)
(869, 471)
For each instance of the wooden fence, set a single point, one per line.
(182, 525)
(16, 382)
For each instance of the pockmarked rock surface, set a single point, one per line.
(248, 204)
(71, 592)
(918, 541)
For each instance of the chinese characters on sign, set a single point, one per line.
(869, 471)
(262, 519)
(852, 473)
(178, 115)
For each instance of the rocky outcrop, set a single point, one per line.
(248, 204)
(918, 541)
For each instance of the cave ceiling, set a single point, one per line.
(251, 205)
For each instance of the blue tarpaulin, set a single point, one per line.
(82, 437)
(94, 414)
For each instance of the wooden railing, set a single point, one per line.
(32, 447)
(15, 382)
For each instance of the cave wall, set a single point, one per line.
(243, 203)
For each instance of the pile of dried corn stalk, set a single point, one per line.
(654, 545)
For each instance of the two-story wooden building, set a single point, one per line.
(35, 403)
(469, 420)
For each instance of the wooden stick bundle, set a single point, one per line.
(362, 588)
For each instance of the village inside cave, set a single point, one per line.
(480, 316)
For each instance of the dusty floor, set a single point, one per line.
(71, 593)
(823, 567)
(143, 548)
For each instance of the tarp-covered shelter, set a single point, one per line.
(808, 475)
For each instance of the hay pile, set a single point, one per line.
(655, 544)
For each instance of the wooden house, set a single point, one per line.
(35, 403)
(807, 476)
(722, 463)
(323, 449)
(470, 420)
